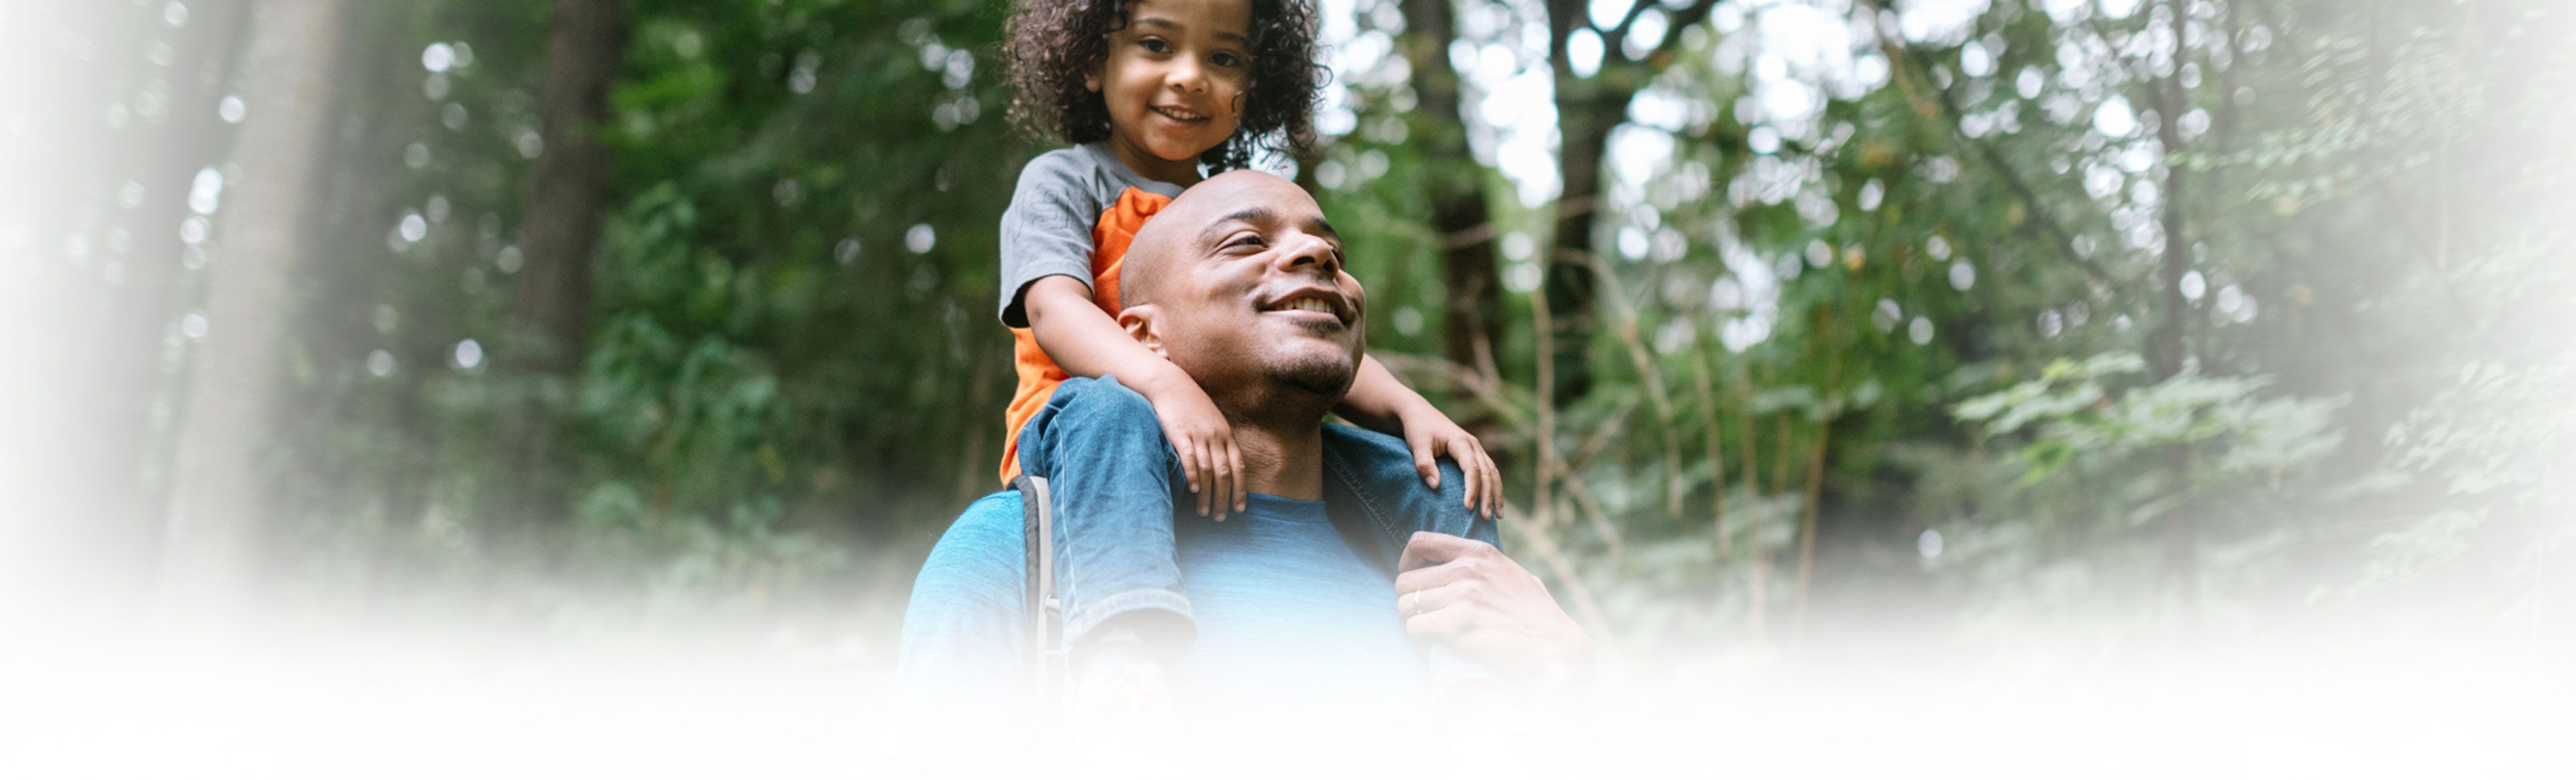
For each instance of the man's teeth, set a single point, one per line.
(1310, 304)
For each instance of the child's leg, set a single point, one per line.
(1111, 475)
(1373, 492)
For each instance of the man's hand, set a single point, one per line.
(1431, 434)
(1204, 442)
(1470, 595)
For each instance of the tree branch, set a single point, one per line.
(1689, 15)
(1948, 106)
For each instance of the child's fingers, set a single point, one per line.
(1227, 479)
(1189, 466)
(1474, 468)
(1467, 469)
(1425, 462)
(1198, 459)
(1492, 477)
(1220, 484)
(1234, 455)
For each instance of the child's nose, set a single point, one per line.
(1186, 75)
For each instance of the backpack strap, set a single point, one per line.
(1045, 612)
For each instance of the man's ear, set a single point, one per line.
(1143, 323)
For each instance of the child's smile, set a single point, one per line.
(1179, 114)
(1172, 81)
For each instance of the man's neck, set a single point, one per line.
(1280, 432)
(1282, 460)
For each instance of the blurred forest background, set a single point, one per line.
(1948, 318)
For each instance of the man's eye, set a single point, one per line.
(1247, 240)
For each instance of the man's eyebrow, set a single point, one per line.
(1262, 215)
(1316, 224)
(1254, 214)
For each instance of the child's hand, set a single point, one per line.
(1430, 435)
(1204, 442)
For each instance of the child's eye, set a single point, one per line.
(1226, 59)
(1156, 45)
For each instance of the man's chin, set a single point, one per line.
(1323, 376)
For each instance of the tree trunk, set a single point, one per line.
(1586, 111)
(1472, 322)
(219, 500)
(106, 477)
(2172, 344)
(550, 316)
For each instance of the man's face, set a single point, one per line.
(1252, 288)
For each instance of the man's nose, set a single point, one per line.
(1308, 253)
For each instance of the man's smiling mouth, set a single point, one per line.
(1311, 301)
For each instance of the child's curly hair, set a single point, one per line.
(1048, 45)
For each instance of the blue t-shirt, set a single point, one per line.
(1283, 604)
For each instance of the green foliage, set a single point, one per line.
(1925, 305)
(2223, 422)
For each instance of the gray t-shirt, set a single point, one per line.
(1061, 198)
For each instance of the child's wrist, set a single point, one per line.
(1417, 407)
(1160, 382)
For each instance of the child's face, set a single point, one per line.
(1172, 80)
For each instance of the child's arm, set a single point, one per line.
(1084, 341)
(1379, 402)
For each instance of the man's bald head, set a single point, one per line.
(1239, 281)
(1168, 234)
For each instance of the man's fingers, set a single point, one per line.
(1430, 548)
(1429, 577)
(1434, 599)
(1437, 624)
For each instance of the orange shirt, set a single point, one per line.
(1039, 375)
